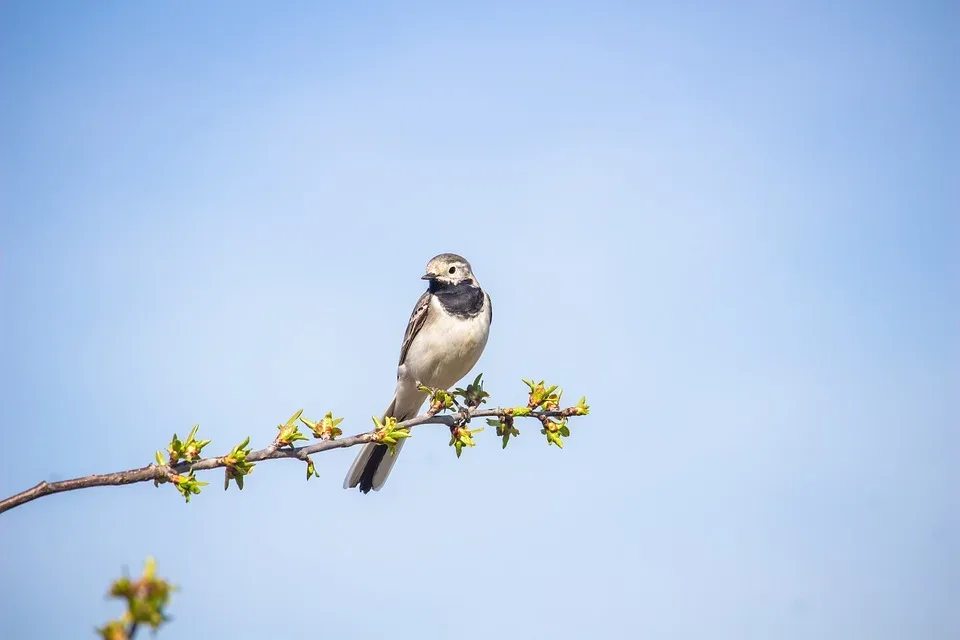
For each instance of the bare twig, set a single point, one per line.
(271, 452)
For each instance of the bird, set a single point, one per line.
(445, 336)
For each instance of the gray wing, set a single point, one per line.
(489, 308)
(417, 319)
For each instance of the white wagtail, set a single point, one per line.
(445, 336)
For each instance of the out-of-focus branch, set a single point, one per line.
(147, 598)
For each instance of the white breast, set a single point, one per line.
(447, 347)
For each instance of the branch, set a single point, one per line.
(239, 462)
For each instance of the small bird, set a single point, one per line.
(445, 336)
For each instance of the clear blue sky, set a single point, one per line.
(734, 229)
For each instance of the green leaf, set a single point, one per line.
(187, 485)
(473, 395)
(189, 449)
(289, 434)
(440, 399)
(542, 397)
(554, 431)
(114, 630)
(582, 409)
(325, 429)
(236, 465)
(461, 437)
(388, 432)
(311, 470)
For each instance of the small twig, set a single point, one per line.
(271, 452)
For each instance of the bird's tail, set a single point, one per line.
(373, 464)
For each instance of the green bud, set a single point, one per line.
(389, 433)
(311, 470)
(473, 395)
(236, 465)
(325, 429)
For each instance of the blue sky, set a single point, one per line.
(733, 228)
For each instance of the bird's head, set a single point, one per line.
(449, 269)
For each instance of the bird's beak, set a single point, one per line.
(428, 276)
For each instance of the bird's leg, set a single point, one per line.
(463, 415)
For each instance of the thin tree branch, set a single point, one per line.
(271, 452)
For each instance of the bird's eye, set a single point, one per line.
(452, 270)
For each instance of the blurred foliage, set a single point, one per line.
(146, 599)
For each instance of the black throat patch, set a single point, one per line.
(463, 299)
